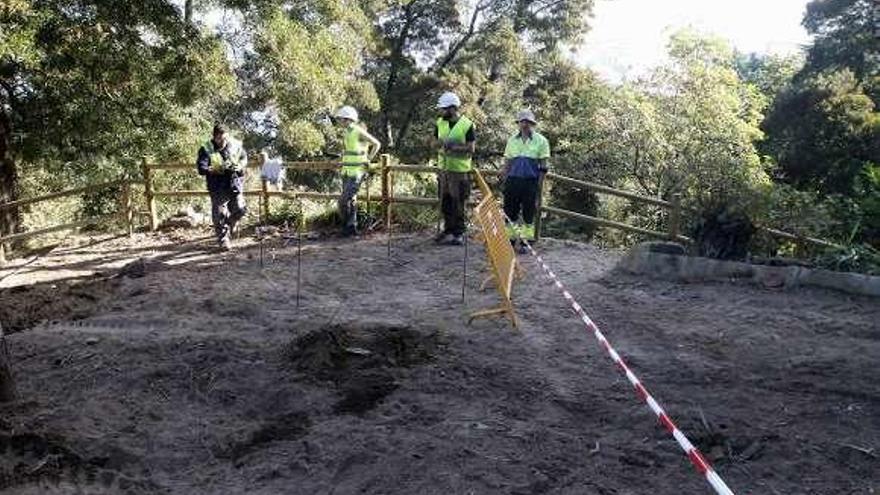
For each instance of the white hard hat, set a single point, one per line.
(526, 115)
(448, 99)
(347, 112)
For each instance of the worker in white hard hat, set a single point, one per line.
(456, 143)
(360, 147)
(526, 156)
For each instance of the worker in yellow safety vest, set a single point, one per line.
(222, 160)
(359, 149)
(456, 143)
(526, 156)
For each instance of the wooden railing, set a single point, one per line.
(675, 214)
(386, 169)
(125, 212)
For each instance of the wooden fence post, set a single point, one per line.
(369, 198)
(675, 218)
(148, 193)
(8, 391)
(538, 221)
(265, 198)
(125, 208)
(385, 160)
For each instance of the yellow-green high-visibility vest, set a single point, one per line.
(215, 159)
(237, 157)
(450, 160)
(354, 157)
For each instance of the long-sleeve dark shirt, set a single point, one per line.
(224, 181)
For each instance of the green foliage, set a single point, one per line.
(844, 37)
(869, 205)
(573, 199)
(860, 258)
(90, 86)
(805, 212)
(309, 56)
(688, 128)
(483, 50)
(104, 80)
(770, 74)
(824, 132)
(824, 127)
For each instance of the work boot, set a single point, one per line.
(457, 240)
(443, 238)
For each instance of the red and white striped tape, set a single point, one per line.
(692, 452)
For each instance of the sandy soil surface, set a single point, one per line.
(194, 372)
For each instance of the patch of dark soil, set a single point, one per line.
(362, 362)
(30, 461)
(23, 307)
(140, 268)
(283, 428)
(232, 306)
(337, 352)
(719, 446)
(364, 392)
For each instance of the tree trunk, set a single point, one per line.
(396, 60)
(450, 57)
(9, 219)
(187, 11)
(7, 383)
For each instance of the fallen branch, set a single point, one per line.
(705, 421)
(864, 450)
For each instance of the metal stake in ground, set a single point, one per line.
(8, 392)
(299, 250)
(464, 262)
(388, 223)
(261, 231)
(299, 243)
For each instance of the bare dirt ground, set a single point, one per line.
(195, 373)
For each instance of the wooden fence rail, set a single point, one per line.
(386, 170)
(60, 194)
(125, 212)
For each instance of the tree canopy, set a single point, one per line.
(89, 86)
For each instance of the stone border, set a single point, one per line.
(655, 260)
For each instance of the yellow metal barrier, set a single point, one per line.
(502, 259)
(481, 184)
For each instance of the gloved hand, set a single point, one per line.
(233, 166)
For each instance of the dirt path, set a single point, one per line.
(202, 377)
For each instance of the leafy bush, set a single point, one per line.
(724, 232)
(574, 199)
(860, 258)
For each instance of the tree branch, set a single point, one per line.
(448, 59)
(396, 58)
(547, 6)
(472, 29)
